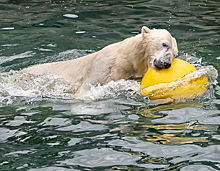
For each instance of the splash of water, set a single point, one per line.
(112, 89)
(19, 84)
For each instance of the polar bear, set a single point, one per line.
(128, 59)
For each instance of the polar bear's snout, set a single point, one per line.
(160, 64)
(163, 61)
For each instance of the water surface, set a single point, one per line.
(43, 128)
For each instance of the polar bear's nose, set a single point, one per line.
(167, 65)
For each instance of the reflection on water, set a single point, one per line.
(175, 138)
(44, 129)
(146, 112)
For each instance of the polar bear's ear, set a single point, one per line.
(145, 29)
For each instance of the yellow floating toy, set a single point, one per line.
(176, 84)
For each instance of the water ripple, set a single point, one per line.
(43, 129)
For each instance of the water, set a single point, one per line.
(43, 128)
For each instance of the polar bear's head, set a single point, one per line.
(161, 47)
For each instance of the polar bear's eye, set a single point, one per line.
(165, 45)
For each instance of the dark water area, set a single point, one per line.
(43, 129)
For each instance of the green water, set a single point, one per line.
(42, 128)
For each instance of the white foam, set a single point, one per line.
(15, 83)
(113, 88)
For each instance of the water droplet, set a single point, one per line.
(80, 32)
(8, 28)
(70, 15)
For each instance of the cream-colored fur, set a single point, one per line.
(128, 59)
